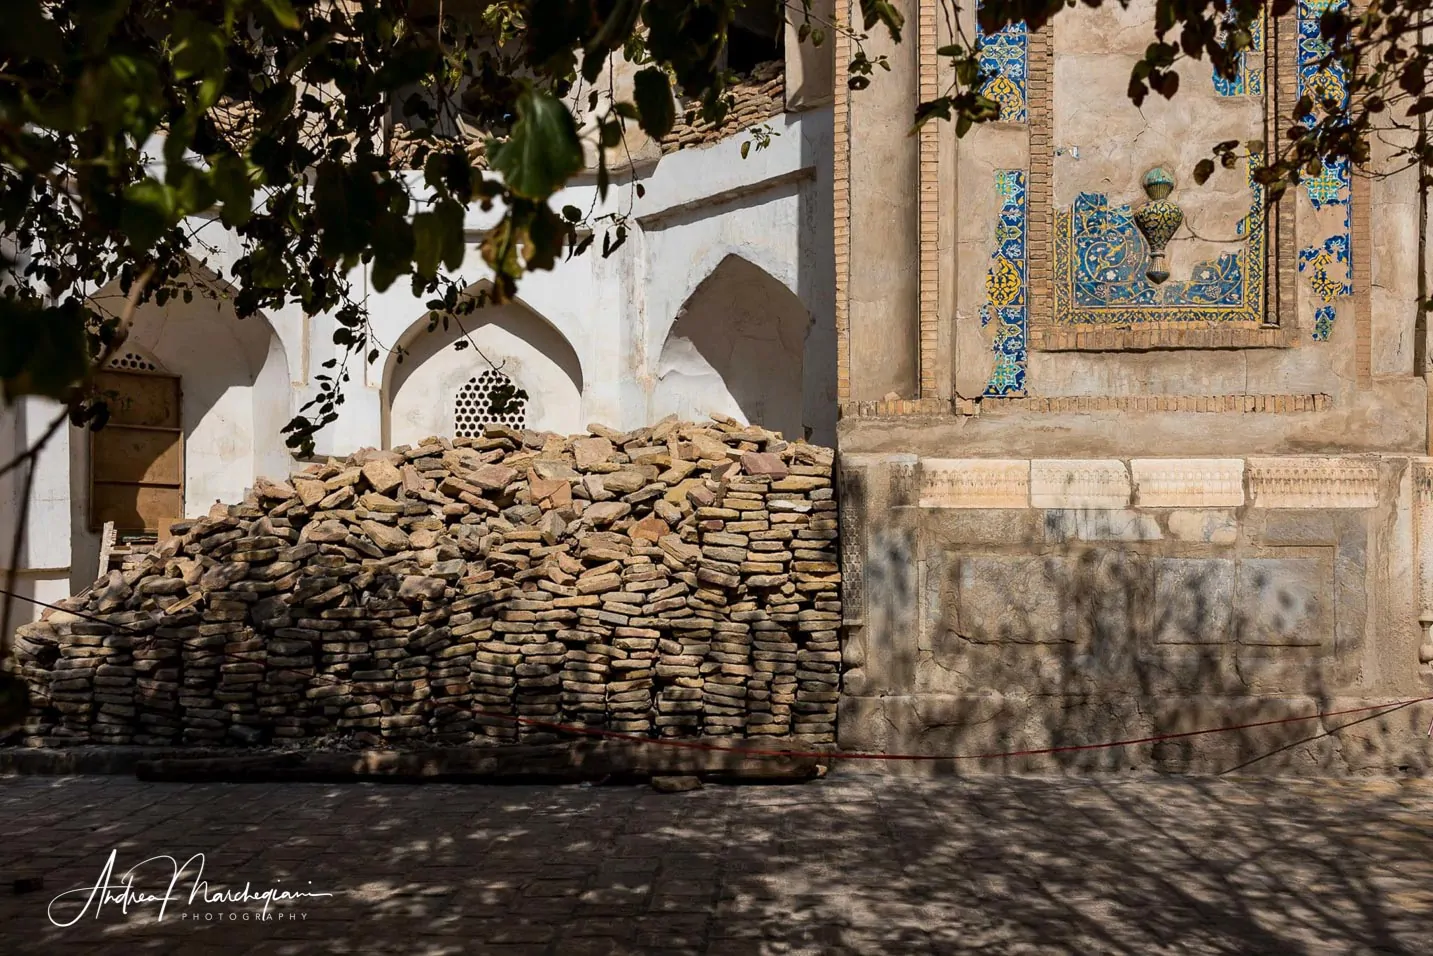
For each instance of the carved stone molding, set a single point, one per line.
(852, 510)
(904, 480)
(1057, 483)
(1188, 482)
(1423, 551)
(975, 483)
(1312, 482)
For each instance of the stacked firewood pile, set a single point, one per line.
(677, 580)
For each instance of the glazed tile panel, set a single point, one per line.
(1006, 295)
(1327, 264)
(1003, 64)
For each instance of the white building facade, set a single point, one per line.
(721, 301)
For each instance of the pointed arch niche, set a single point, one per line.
(737, 347)
(202, 398)
(440, 389)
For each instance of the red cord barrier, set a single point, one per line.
(861, 755)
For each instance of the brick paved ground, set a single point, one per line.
(851, 864)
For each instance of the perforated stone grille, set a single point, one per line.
(134, 362)
(473, 409)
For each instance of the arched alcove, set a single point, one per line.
(229, 378)
(737, 348)
(439, 388)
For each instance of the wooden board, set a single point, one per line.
(136, 507)
(143, 456)
(137, 459)
(141, 399)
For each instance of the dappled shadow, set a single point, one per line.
(992, 632)
(852, 864)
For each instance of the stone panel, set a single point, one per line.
(1100, 525)
(1193, 600)
(1209, 527)
(852, 509)
(1188, 482)
(978, 526)
(1066, 483)
(1284, 602)
(1010, 599)
(1313, 482)
(974, 483)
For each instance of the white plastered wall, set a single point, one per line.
(596, 355)
(43, 571)
(736, 348)
(422, 389)
(236, 396)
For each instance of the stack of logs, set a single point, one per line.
(678, 580)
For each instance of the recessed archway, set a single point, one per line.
(441, 375)
(736, 348)
(230, 379)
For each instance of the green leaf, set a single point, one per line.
(450, 214)
(1203, 170)
(652, 90)
(542, 151)
(427, 244)
(283, 12)
(392, 249)
(42, 349)
(438, 237)
(28, 32)
(230, 179)
(149, 207)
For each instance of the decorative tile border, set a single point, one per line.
(1082, 404)
(1100, 262)
(1003, 61)
(1188, 482)
(1312, 482)
(1278, 266)
(1079, 483)
(1006, 300)
(1328, 265)
(1249, 80)
(974, 483)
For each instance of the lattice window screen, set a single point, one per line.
(472, 410)
(131, 361)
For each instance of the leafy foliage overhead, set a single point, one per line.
(133, 132)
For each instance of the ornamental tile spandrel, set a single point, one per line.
(974, 483)
(1313, 482)
(1065, 483)
(1188, 482)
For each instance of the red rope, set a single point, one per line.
(862, 755)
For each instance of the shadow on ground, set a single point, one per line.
(852, 864)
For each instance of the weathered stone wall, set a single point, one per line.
(1001, 605)
(676, 580)
(1088, 499)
